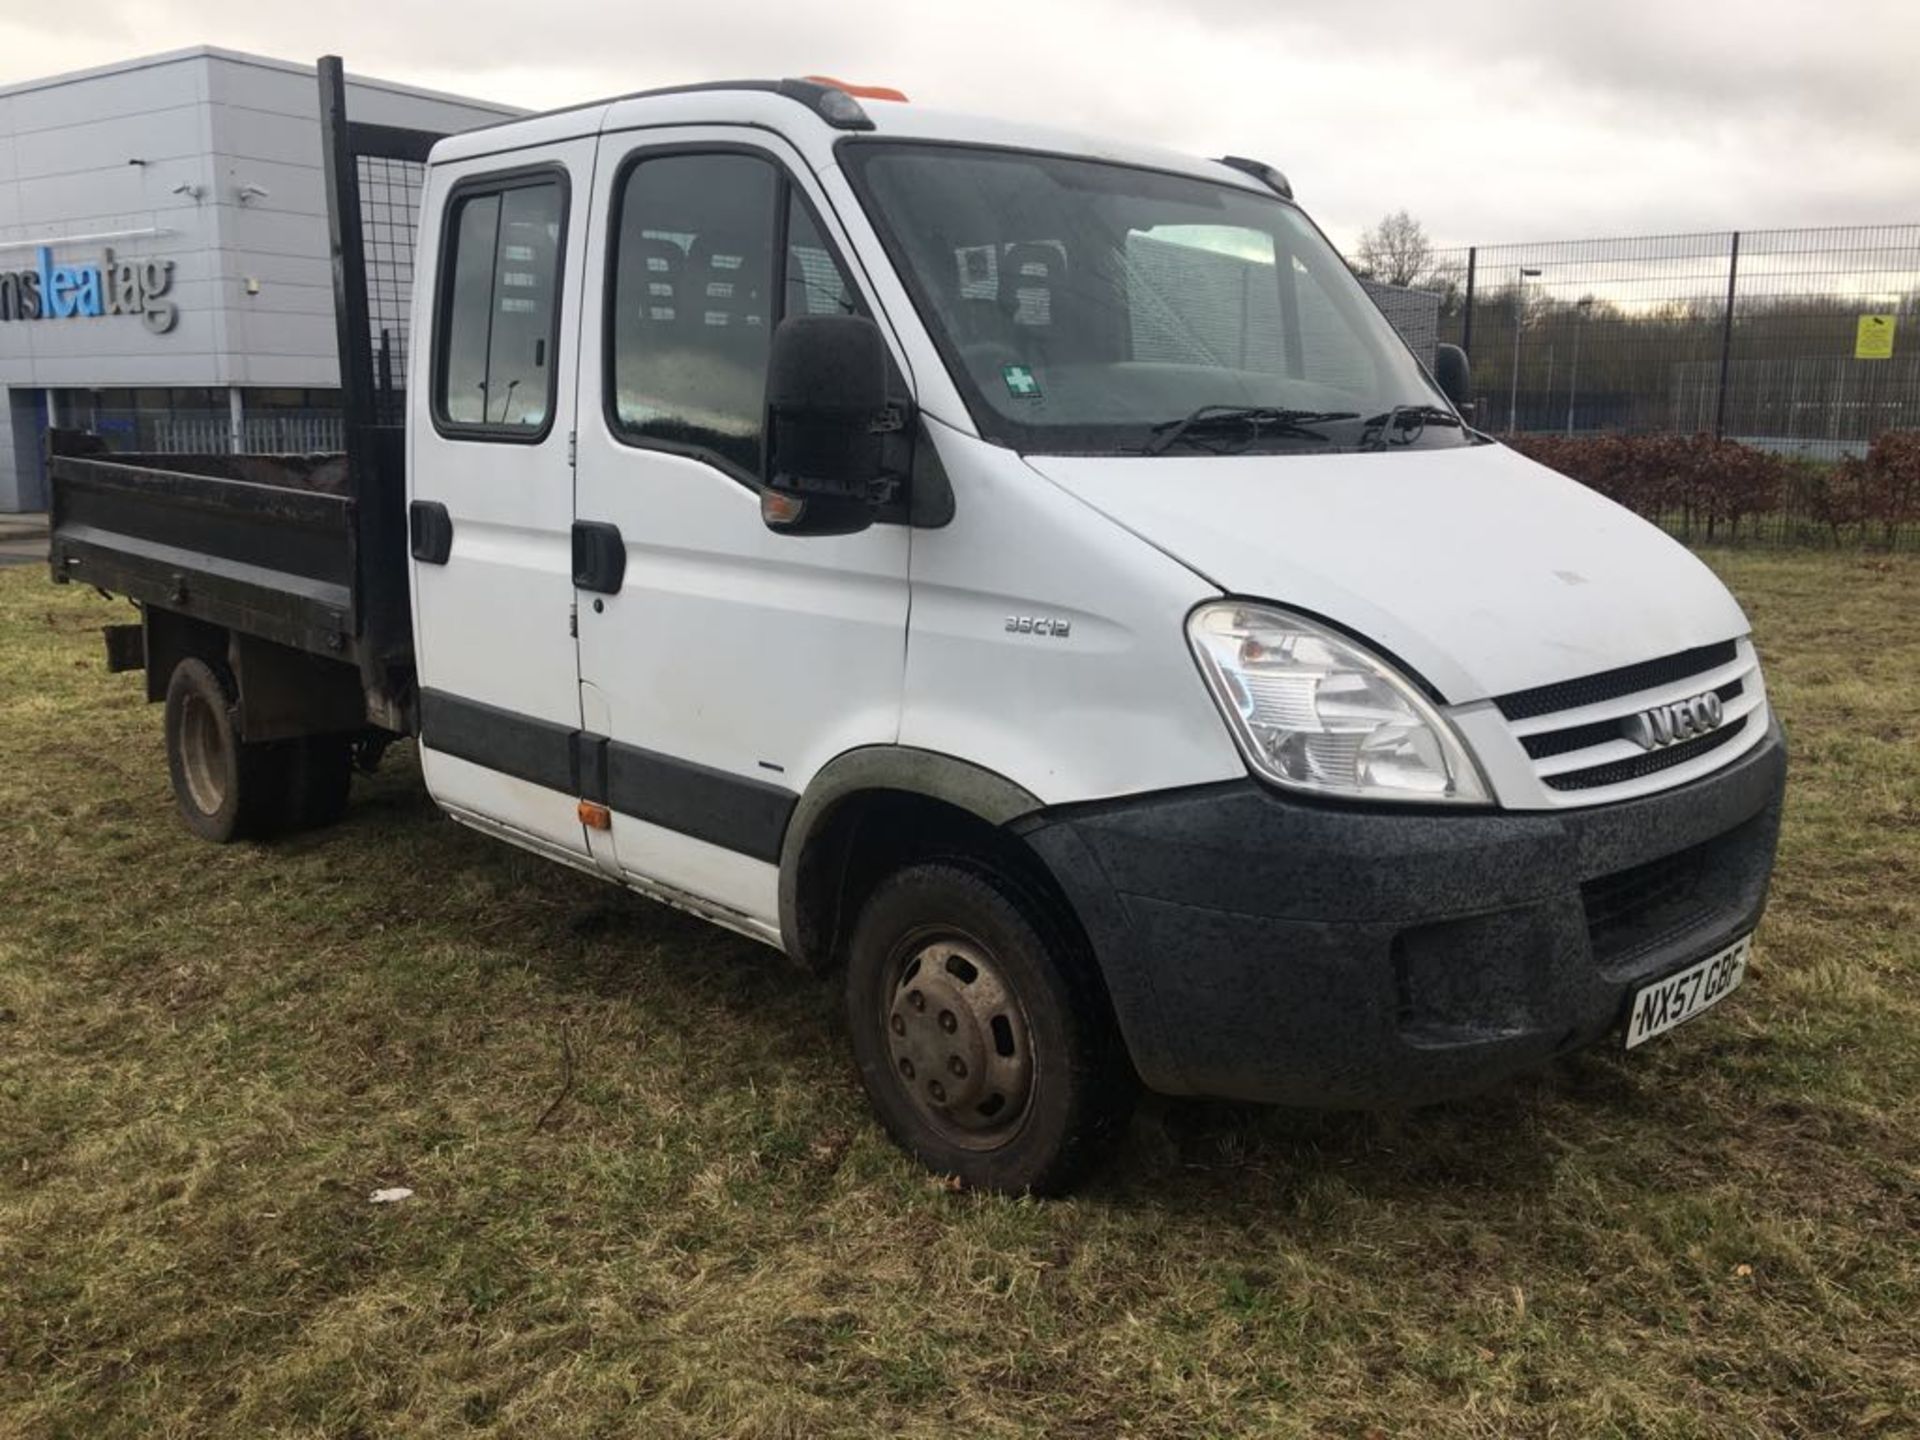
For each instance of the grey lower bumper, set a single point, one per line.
(1262, 948)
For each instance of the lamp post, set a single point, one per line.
(1581, 307)
(1527, 272)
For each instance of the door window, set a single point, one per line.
(499, 303)
(700, 279)
(816, 285)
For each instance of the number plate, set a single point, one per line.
(1666, 1003)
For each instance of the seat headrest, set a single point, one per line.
(1030, 280)
(727, 282)
(655, 267)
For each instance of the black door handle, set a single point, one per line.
(430, 530)
(599, 556)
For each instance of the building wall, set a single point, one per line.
(266, 132)
(149, 158)
(66, 153)
(1414, 313)
(1230, 309)
(23, 470)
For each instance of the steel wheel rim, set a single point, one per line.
(958, 1039)
(202, 755)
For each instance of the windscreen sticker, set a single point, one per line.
(1020, 382)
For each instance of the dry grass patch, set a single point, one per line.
(209, 1058)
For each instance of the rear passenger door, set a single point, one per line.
(492, 489)
(727, 663)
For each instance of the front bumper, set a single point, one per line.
(1258, 947)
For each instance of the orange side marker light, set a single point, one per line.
(595, 816)
(862, 92)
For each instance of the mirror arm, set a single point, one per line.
(929, 493)
(899, 449)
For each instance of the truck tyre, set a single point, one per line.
(981, 1030)
(226, 790)
(319, 777)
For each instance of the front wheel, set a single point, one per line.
(981, 1030)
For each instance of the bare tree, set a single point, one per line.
(1396, 251)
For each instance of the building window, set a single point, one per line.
(275, 400)
(499, 305)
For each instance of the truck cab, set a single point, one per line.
(1026, 576)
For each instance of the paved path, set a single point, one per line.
(23, 539)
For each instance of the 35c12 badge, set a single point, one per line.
(1051, 625)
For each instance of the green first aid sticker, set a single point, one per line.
(1020, 382)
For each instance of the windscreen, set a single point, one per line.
(1080, 305)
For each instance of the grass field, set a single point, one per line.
(649, 1200)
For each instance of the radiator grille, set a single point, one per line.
(1651, 763)
(1611, 684)
(1632, 910)
(1579, 736)
(1598, 732)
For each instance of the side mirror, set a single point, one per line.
(1455, 373)
(826, 400)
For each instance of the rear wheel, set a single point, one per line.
(226, 789)
(981, 1030)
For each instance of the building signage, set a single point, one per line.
(112, 287)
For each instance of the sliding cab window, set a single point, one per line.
(499, 305)
(711, 252)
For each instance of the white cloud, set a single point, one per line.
(1490, 119)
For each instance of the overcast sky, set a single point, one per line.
(1491, 120)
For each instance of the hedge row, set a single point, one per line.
(1708, 486)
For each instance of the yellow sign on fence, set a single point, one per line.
(1874, 339)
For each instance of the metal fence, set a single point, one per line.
(260, 435)
(1801, 341)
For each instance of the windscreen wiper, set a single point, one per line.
(1253, 420)
(1379, 431)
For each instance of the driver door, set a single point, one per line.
(724, 664)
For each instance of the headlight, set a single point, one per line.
(1313, 711)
